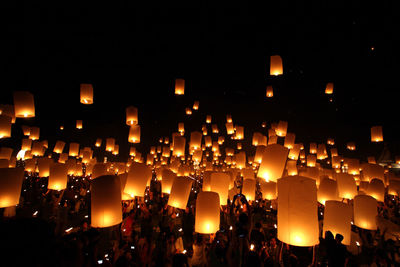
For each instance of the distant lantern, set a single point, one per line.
(351, 146)
(214, 128)
(180, 192)
(8, 110)
(98, 142)
(131, 115)
(327, 190)
(195, 140)
(168, 178)
(59, 147)
(24, 104)
(138, 176)
(294, 152)
(291, 168)
(86, 93)
(276, 67)
(58, 176)
(273, 162)
(73, 149)
(268, 190)
(134, 134)
(115, 150)
(273, 140)
(26, 144)
(365, 212)
(330, 141)
(249, 189)
(239, 133)
(179, 146)
(86, 157)
(329, 89)
(229, 118)
(5, 126)
(44, 166)
(347, 187)
(337, 220)
(219, 182)
(196, 105)
(376, 134)
(376, 189)
(35, 133)
(311, 160)
(281, 129)
(10, 186)
(259, 153)
(181, 127)
(270, 91)
(63, 158)
(289, 140)
(106, 201)
(313, 148)
(240, 160)
(371, 171)
(26, 130)
(297, 211)
(79, 124)
(179, 86)
(208, 119)
(229, 128)
(207, 217)
(188, 111)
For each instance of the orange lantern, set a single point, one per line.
(329, 89)
(79, 124)
(270, 91)
(138, 176)
(5, 126)
(207, 218)
(59, 147)
(131, 115)
(327, 190)
(134, 134)
(58, 176)
(24, 105)
(86, 93)
(276, 67)
(219, 182)
(347, 187)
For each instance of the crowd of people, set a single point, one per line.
(52, 228)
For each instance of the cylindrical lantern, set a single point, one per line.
(35, 133)
(131, 115)
(376, 189)
(240, 160)
(289, 140)
(376, 134)
(138, 176)
(26, 144)
(10, 186)
(179, 86)
(329, 89)
(98, 142)
(180, 191)
(196, 105)
(291, 166)
(281, 129)
(208, 119)
(59, 147)
(239, 134)
(86, 93)
(168, 178)
(365, 212)
(294, 152)
(106, 209)
(207, 213)
(58, 176)
(268, 190)
(347, 187)
(276, 67)
(44, 166)
(24, 105)
(5, 126)
(79, 124)
(219, 182)
(337, 219)
(229, 128)
(249, 189)
(179, 143)
(134, 134)
(110, 143)
(73, 149)
(311, 160)
(327, 191)
(270, 91)
(273, 162)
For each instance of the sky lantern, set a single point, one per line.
(273, 140)
(259, 153)
(276, 67)
(168, 178)
(241, 160)
(132, 151)
(329, 89)
(179, 87)
(294, 152)
(5, 126)
(59, 147)
(313, 148)
(86, 93)
(353, 166)
(79, 124)
(134, 134)
(347, 187)
(376, 134)
(123, 178)
(180, 191)
(281, 129)
(297, 211)
(229, 118)
(270, 91)
(63, 158)
(311, 160)
(321, 152)
(371, 171)
(371, 160)
(330, 141)
(86, 157)
(337, 219)
(249, 189)
(214, 128)
(26, 130)
(98, 142)
(376, 189)
(273, 162)
(207, 218)
(138, 176)
(365, 212)
(24, 105)
(73, 149)
(8, 110)
(268, 190)
(229, 128)
(58, 176)
(208, 119)
(106, 200)
(219, 182)
(35, 133)
(37, 149)
(327, 190)
(289, 140)
(188, 111)
(291, 167)
(239, 132)
(179, 143)
(336, 162)
(196, 105)
(26, 144)
(351, 146)
(44, 166)
(10, 186)
(181, 127)
(132, 115)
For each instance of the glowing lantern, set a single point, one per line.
(179, 86)
(86, 157)
(351, 146)
(24, 105)
(281, 129)
(270, 91)
(219, 182)
(179, 146)
(289, 140)
(337, 219)
(371, 171)
(311, 160)
(334, 152)
(329, 89)
(86, 93)
(98, 142)
(273, 140)
(188, 111)
(229, 128)
(5, 126)
(58, 176)
(59, 147)
(276, 67)
(106, 207)
(229, 118)
(321, 152)
(371, 160)
(353, 166)
(336, 162)
(79, 124)
(273, 162)
(138, 176)
(26, 144)
(297, 211)
(214, 128)
(327, 191)
(365, 212)
(330, 142)
(8, 110)
(181, 127)
(376, 189)
(196, 105)
(376, 134)
(180, 191)
(131, 115)
(134, 134)
(99, 169)
(313, 148)
(132, 151)
(35, 132)
(291, 168)
(168, 178)
(268, 189)
(249, 189)
(73, 149)
(10, 186)
(294, 152)
(26, 130)
(259, 153)
(115, 150)
(239, 132)
(207, 213)
(37, 149)
(44, 166)
(394, 187)
(347, 187)
(241, 160)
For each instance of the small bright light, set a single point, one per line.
(69, 229)
(184, 251)
(35, 213)
(100, 261)
(86, 216)
(275, 226)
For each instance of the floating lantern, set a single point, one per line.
(26, 130)
(132, 151)
(59, 147)
(273, 140)
(138, 176)
(297, 211)
(351, 146)
(249, 189)
(376, 189)
(196, 105)
(229, 128)
(337, 220)
(26, 144)
(276, 67)
(327, 190)
(207, 213)
(8, 110)
(10, 186)
(179, 87)
(376, 134)
(5, 126)
(134, 134)
(281, 129)
(168, 178)
(180, 191)
(311, 160)
(313, 148)
(58, 176)
(214, 128)
(259, 152)
(219, 182)
(44, 166)
(98, 142)
(371, 171)
(181, 127)
(241, 160)
(270, 91)
(116, 150)
(79, 124)
(347, 187)
(294, 152)
(268, 189)
(86, 93)
(99, 169)
(353, 166)
(188, 111)
(329, 89)
(179, 143)
(273, 162)
(24, 105)
(291, 167)
(239, 133)
(35, 132)
(37, 149)
(289, 140)
(86, 157)
(106, 207)
(73, 149)
(63, 158)
(365, 212)
(330, 142)
(229, 118)
(131, 115)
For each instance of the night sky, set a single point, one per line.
(132, 54)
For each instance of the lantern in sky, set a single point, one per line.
(26, 144)
(313, 148)
(168, 178)
(24, 105)
(59, 147)
(208, 119)
(268, 189)
(35, 132)
(79, 124)
(98, 142)
(86, 93)
(134, 134)
(26, 130)
(44, 166)
(207, 213)
(179, 87)
(276, 67)
(351, 146)
(297, 211)
(376, 189)
(329, 89)
(337, 219)
(289, 140)
(327, 191)
(58, 176)
(291, 167)
(10, 186)
(241, 160)
(196, 105)
(273, 162)
(239, 133)
(281, 129)
(347, 187)
(180, 191)
(195, 140)
(188, 111)
(229, 128)
(294, 152)
(138, 176)
(181, 127)
(249, 189)
(311, 160)
(5, 126)
(106, 201)
(376, 134)
(330, 141)
(73, 149)
(179, 146)
(131, 115)
(270, 91)
(219, 182)
(365, 212)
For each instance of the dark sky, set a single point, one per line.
(132, 53)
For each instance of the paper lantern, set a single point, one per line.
(181, 127)
(330, 141)
(297, 211)
(289, 140)
(273, 162)
(336, 162)
(115, 150)
(180, 191)
(321, 152)
(347, 187)
(179, 86)
(98, 142)
(240, 160)
(10, 186)
(229, 128)
(329, 89)
(26, 144)
(106, 207)
(35, 133)
(188, 111)
(294, 152)
(291, 167)
(8, 110)
(327, 190)
(58, 176)
(138, 176)
(365, 212)
(229, 118)
(276, 67)
(73, 149)
(5, 126)
(134, 134)
(219, 182)
(376, 134)
(44, 166)
(79, 124)
(26, 130)
(371, 160)
(269, 190)
(59, 147)
(337, 220)
(208, 119)
(168, 178)
(24, 105)
(196, 105)
(281, 129)
(63, 158)
(273, 140)
(351, 146)
(249, 189)
(311, 160)
(239, 133)
(376, 189)
(371, 171)
(353, 166)
(37, 149)
(214, 128)
(259, 152)
(313, 148)
(86, 93)
(179, 146)
(270, 91)
(131, 115)
(110, 143)
(207, 218)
